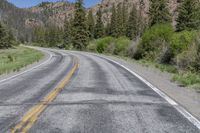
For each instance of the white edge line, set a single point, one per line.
(31, 69)
(179, 108)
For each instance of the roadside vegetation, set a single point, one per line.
(15, 58)
(155, 41)
(12, 56)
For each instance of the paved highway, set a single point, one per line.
(99, 97)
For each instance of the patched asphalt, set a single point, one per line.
(104, 98)
(19, 94)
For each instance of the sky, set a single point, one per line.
(30, 3)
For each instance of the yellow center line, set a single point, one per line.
(33, 114)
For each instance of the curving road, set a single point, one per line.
(101, 97)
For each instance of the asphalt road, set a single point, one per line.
(101, 97)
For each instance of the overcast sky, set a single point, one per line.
(29, 3)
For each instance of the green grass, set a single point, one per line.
(161, 67)
(14, 59)
(188, 79)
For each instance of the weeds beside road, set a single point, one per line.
(14, 59)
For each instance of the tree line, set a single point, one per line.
(83, 27)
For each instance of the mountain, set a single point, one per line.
(23, 21)
(55, 13)
(142, 5)
(18, 19)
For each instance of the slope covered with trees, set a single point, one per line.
(150, 30)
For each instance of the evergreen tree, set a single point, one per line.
(108, 29)
(159, 12)
(113, 23)
(91, 24)
(141, 20)
(188, 18)
(119, 20)
(131, 31)
(99, 27)
(67, 34)
(52, 36)
(125, 17)
(11, 38)
(79, 28)
(39, 35)
(4, 38)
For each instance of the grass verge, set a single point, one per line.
(188, 79)
(185, 79)
(14, 59)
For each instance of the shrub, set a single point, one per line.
(117, 46)
(154, 39)
(103, 43)
(92, 46)
(188, 79)
(190, 58)
(180, 41)
(132, 49)
(121, 46)
(166, 54)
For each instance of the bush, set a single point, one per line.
(117, 46)
(190, 58)
(188, 79)
(121, 46)
(180, 41)
(166, 55)
(185, 60)
(92, 46)
(133, 49)
(154, 39)
(102, 44)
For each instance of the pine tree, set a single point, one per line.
(52, 36)
(113, 23)
(188, 18)
(131, 31)
(39, 35)
(159, 12)
(119, 20)
(141, 20)
(4, 37)
(108, 29)
(91, 24)
(79, 28)
(67, 34)
(125, 17)
(99, 27)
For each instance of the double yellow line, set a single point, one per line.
(33, 114)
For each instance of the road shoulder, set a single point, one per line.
(186, 97)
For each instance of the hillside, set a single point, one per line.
(55, 13)
(23, 21)
(18, 19)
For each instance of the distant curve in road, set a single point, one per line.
(102, 97)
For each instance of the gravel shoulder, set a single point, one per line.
(186, 97)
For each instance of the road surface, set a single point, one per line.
(99, 97)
